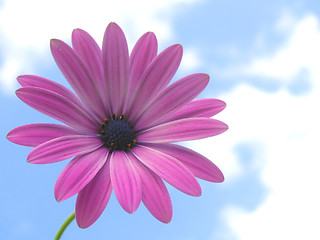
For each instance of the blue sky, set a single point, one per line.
(263, 58)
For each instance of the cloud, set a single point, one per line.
(190, 60)
(27, 26)
(286, 22)
(301, 51)
(286, 128)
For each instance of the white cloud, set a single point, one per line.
(190, 60)
(27, 26)
(287, 22)
(301, 51)
(286, 127)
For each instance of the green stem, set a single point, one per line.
(64, 226)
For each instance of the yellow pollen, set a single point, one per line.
(134, 141)
(129, 145)
(106, 119)
(112, 144)
(102, 131)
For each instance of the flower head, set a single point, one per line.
(120, 125)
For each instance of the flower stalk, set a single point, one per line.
(64, 226)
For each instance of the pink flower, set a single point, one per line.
(120, 124)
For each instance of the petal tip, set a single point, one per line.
(77, 32)
(150, 33)
(206, 79)
(178, 47)
(223, 105)
(53, 41)
(19, 77)
(9, 135)
(55, 44)
(81, 221)
(113, 25)
(20, 80)
(222, 126)
(130, 209)
(220, 178)
(29, 160)
(198, 194)
(17, 92)
(83, 224)
(166, 219)
(57, 196)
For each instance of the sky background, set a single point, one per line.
(263, 58)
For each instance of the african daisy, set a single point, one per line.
(120, 125)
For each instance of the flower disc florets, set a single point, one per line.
(117, 133)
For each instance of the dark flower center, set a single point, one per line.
(117, 133)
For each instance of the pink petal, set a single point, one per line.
(155, 195)
(172, 98)
(89, 51)
(78, 173)
(155, 78)
(62, 148)
(115, 58)
(93, 198)
(183, 130)
(34, 134)
(56, 106)
(169, 169)
(142, 54)
(199, 165)
(125, 181)
(78, 76)
(40, 82)
(198, 108)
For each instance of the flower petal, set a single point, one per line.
(142, 54)
(155, 195)
(199, 165)
(93, 198)
(56, 106)
(78, 76)
(89, 51)
(198, 108)
(62, 148)
(169, 169)
(125, 181)
(183, 130)
(40, 82)
(155, 78)
(78, 173)
(172, 98)
(34, 134)
(115, 59)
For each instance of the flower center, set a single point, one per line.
(117, 133)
